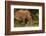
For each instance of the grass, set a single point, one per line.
(19, 24)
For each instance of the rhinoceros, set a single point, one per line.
(21, 15)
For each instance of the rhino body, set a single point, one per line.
(23, 15)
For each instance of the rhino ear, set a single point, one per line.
(27, 11)
(20, 10)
